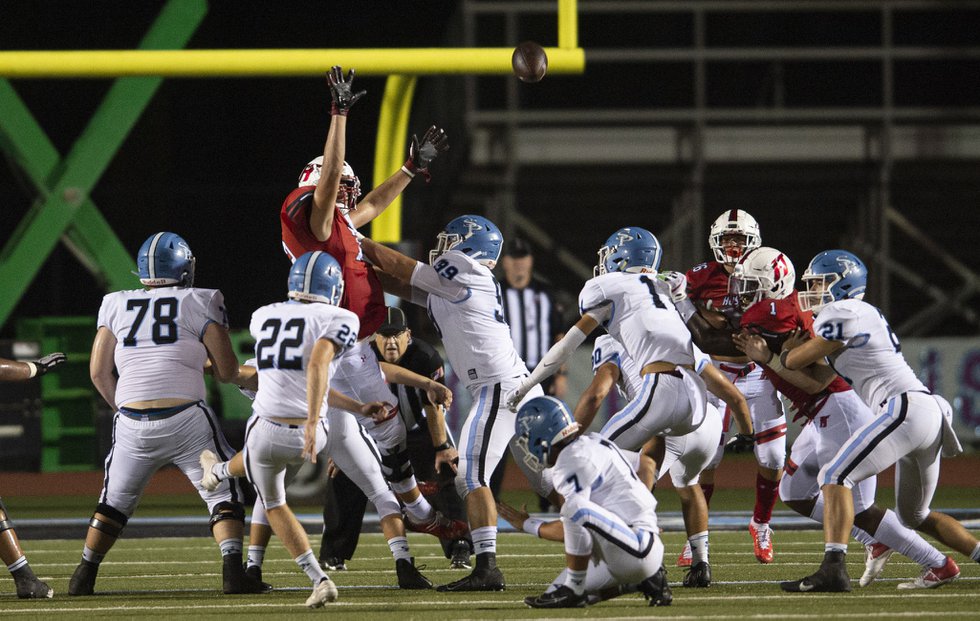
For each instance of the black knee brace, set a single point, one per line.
(5, 523)
(397, 467)
(113, 514)
(227, 511)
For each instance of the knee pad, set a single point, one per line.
(461, 489)
(113, 514)
(911, 518)
(397, 467)
(772, 454)
(227, 511)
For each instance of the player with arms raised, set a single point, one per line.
(323, 213)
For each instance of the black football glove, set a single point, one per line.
(341, 92)
(49, 362)
(422, 152)
(741, 443)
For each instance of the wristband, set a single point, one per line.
(686, 309)
(775, 363)
(445, 445)
(782, 358)
(410, 174)
(33, 366)
(533, 525)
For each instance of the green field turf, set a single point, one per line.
(180, 578)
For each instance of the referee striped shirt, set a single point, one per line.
(530, 315)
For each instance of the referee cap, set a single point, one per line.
(394, 322)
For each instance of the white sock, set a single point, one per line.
(21, 562)
(835, 547)
(256, 554)
(975, 555)
(419, 509)
(307, 562)
(908, 542)
(699, 547)
(230, 546)
(575, 580)
(91, 555)
(399, 548)
(484, 539)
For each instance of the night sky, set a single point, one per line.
(213, 159)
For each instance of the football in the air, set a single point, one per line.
(529, 61)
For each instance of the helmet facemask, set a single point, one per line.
(818, 290)
(444, 243)
(731, 224)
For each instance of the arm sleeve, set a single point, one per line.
(426, 278)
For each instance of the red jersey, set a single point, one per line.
(363, 294)
(774, 320)
(708, 283)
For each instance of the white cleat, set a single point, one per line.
(325, 591)
(210, 480)
(876, 555)
(935, 576)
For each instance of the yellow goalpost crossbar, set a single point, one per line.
(271, 62)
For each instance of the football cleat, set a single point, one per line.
(324, 592)
(460, 555)
(439, 526)
(210, 480)
(255, 573)
(562, 597)
(935, 576)
(699, 576)
(684, 560)
(656, 589)
(876, 555)
(235, 580)
(478, 580)
(83, 580)
(33, 588)
(830, 578)
(333, 564)
(409, 576)
(761, 541)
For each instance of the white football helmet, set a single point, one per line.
(350, 185)
(763, 274)
(733, 222)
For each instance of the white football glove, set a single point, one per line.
(677, 282)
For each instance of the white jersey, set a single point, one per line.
(594, 468)
(464, 304)
(641, 317)
(285, 333)
(159, 349)
(871, 360)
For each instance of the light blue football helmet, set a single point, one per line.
(542, 423)
(316, 277)
(630, 249)
(165, 259)
(474, 236)
(833, 275)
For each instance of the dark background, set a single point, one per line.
(213, 159)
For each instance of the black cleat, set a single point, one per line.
(562, 597)
(460, 555)
(33, 588)
(409, 576)
(255, 573)
(235, 581)
(83, 580)
(333, 564)
(478, 580)
(656, 589)
(699, 576)
(824, 580)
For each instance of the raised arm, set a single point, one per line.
(420, 155)
(389, 260)
(334, 152)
